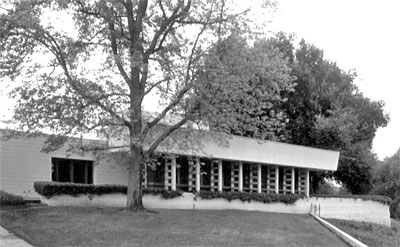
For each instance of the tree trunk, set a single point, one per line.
(134, 195)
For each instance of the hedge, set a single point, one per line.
(377, 198)
(245, 196)
(10, 199)
(50, 189)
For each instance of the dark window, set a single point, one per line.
(226, 173)
(73, 171)
(182, 173)
(246, 177)
(205, 171)
(155, 174)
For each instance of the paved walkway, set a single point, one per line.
(8, 239)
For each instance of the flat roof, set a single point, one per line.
(237, 148)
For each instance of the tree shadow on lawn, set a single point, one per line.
(91, 226)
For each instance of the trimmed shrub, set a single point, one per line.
(7, 199)
(166, 194)
(49, 189)
(247, 197)
(376, 198)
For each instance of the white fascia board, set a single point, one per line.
(231, 147)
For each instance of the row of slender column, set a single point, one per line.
(216, 177)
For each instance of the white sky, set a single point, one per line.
(360, 34)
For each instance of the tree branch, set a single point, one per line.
(183, 92)
(148, 90)
(166, 25)
(164, 135)
(117, 58)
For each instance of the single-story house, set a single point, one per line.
(188, 160)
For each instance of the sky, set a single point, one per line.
(357, 34)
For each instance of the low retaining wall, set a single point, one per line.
(351, 209)
(339, 208)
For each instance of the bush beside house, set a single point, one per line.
(7, 199)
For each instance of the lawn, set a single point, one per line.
(371, 234)
(88, 226)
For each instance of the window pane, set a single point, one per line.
(82, 170)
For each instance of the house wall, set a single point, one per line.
(22, 163)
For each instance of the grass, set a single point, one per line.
(369, 233)
(89, 226)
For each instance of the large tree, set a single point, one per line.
(387, 181)
(84, 65)
(326, 110)
(245, 83)
(323, 107)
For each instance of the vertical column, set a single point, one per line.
(192, 175)
(259, 178)
(287, 180)
(197, 165)
(307, 182)
(173, 173)
(220, 181)
(240, 176)
(234, 176)
(292, 187)
(144, 176)
(214, 176)
(271, 179)
(253, 183)
(277, 180)
(301, 184)
(168, 173)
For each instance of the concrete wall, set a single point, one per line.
(351, 209)
(22, 163)
(339, 208)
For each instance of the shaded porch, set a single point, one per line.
(193, 174)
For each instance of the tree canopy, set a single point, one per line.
(386, 181)
(197, 56)
(316, 103)
(245, 84)
(82, 65)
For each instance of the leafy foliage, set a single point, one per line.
(97, 75)
(166, 194)
(50, 189)
(247, 197)
(242, 85)
(387, 182)
(326, 110)
(314, 102)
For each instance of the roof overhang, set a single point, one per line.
(237, 148)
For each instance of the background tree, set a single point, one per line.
(386, 181)
(320, 108)
(95, 72)
(245, 83)
(326, 110)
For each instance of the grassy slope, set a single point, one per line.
(371, 234)
(79, 226)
